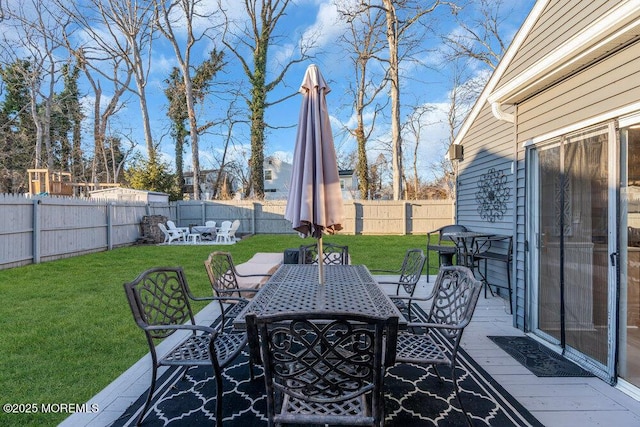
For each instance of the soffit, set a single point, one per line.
(606, 36)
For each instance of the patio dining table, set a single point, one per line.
(295, 288)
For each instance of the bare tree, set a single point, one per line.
(364, 44)
(32, 32)
(250, 41)
(414, 126)
(479, 37)
(401, 17)
(181, 15)
(103, 114)
(119, 29)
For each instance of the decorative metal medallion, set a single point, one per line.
(492, 195)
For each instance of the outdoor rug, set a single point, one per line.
(413, 397)
(540, 360)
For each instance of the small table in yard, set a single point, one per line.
(194, 237)
(204, 231)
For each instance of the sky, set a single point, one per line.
(426, 83)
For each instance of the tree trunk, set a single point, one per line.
(396, 137)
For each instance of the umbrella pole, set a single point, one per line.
(320, 261)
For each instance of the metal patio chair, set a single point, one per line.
(332, 254)
(408, 276)
(445, 246)
(435, 341)
(159, 300)
(497, 248)
(323, 368)
(234, 290)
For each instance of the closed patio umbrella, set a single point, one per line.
(314, 204)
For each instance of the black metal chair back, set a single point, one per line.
(332, 254)
(224, 282)
(445, 246)
(324, 368)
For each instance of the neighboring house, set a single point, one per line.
(208, 178)
(130, 194)
(349, 184)
(277, 175)
(552, 158)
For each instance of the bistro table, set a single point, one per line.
(465, 242)
(295, 288)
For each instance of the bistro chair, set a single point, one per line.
(408, 276)
(445, 246)
(435, 341)
(234, 290)
(332, 254)
(497, 249)
(159, 300)
(323, 368)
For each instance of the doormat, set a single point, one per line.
(537, 358)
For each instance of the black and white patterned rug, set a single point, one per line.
(414, 396)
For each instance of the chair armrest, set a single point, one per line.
(437, 326)
(231, 291)
(385, 271)
(201, 328)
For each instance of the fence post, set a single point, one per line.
(36, 231)
(110, 225)
(253, 218)
(405, 216)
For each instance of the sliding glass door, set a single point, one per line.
(572, 209)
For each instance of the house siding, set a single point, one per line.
(605, 86)
(560, 21)
(489, 144)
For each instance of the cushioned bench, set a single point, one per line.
(263, 263)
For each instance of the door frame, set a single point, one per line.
(605, 371)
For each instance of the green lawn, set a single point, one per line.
(66, 328)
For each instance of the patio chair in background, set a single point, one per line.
(408, 276)
(211, 232)
(436, 341)
(497, 248)
(184, 230)
(337, 382)
(222, 233)
(446, 246)
(332, 254)
(170, 235)
(234, 228)
(159, 300)
(232, 288)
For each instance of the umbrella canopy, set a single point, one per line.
(314, 204)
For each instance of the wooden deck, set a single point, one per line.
(555, 402)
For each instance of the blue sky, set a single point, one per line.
(422, 85)
(425, 84)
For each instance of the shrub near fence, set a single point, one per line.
(41, 229)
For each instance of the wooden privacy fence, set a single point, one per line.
(41, 229)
